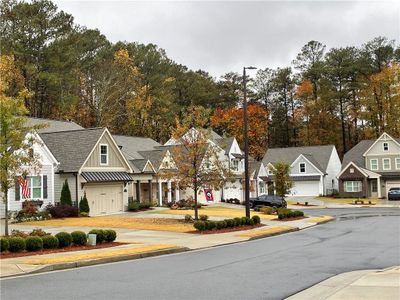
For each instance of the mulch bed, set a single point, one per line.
(66, 249)
(299, 204)
(224, 230)
(140, 209)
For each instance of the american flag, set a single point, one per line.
(23, 182)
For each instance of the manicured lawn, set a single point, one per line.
(217, 211)
(120, 222)
(347, 200)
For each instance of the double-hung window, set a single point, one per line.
(104, 154)
(397, 163)
(374, 164)
(386, 163)
(353, 186)
(262, 187)
(302, 167)
(235, 165)
(35, 186)
(385, 146)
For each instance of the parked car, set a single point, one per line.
(394, 193)
(268, 200)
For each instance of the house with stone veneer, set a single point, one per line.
(371, 168)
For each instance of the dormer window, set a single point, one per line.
(385, 146)
(302, 167)
(352, 170)
(104, 154)
(235, 165)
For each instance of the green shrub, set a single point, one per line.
(200, 225)
(188, 218)
(244, 220)
(84, 205)
(65, 198)
(238, 221)
(16, 244)
(84, 214)
(99, 235)
(230, 223)
(250, 222)
(50, 242)
(4, 244)
(267, 210)
(38, 232)
(221, 224)
(64, 239)
(210, 225)
(203, 217)
(33, 243)
(79, 238)
(134, 206)
(109, 235)
(256, 219)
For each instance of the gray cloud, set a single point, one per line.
(224, 36)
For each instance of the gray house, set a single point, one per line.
(371, 168)
(313, 168)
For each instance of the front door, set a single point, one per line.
(374, 188)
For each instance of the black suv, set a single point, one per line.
(394, 193)
(268, 200)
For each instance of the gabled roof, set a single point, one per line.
(383, 135)
(154, 156)
(317, 155)
(131, 145)
(355, 154)
(53, 125)
(254, 166)
(71, 148)
(225, 143)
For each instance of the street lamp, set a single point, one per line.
(246, 145)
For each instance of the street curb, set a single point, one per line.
(85, 263)
(261, 236)
(325, 221)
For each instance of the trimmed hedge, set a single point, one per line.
(285, 213)
(79, 238)
(50, 242)
(64, 239)
(109, 235)
(227, 223)
(4, 244)
(100, 235)
(17, 244)
(34, 243)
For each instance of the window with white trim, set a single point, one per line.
(35, 186)
(353, 186)
(386, 163)
(235, 165)
(104, 154)
(374, 164)
(397, 163)
(262, 187)
(302, 167)
(385, 146)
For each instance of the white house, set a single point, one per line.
(313, 168)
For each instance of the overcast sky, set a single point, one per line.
(219, 37)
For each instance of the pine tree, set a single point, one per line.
(84, 205)
(65, 198)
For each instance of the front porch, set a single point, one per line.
(157, 191)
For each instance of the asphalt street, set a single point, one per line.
(271, 268)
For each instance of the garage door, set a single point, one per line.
(104, 198)
(391, 184)
(305, 188)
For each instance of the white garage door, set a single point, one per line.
(391, 184)
(104, 198)
(305, 188)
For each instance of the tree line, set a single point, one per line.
(337, 96)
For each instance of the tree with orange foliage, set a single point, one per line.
(230, 122)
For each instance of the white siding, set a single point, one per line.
(58, 183)
(332, 170)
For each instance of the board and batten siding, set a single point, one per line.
(16, 205)
(59, 180)
(114, 157)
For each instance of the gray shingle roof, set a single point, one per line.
(71, 148)
(355, 154)
(318, 155)
(131, 145)
(139, 163)
(225, 143)
(53, 125)
(154, 156)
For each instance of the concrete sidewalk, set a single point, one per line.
(138, 240)
(357, 285)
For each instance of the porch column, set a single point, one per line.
(378, 182)
(177, 192)
(150, 191)
(159, 192)
(169, 191)
(138, 190)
